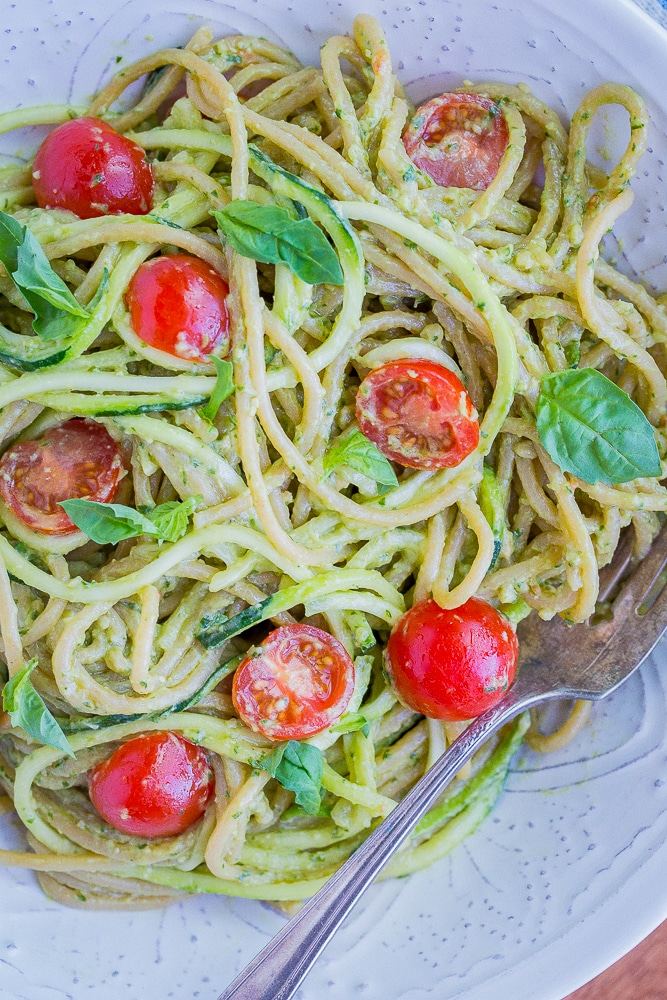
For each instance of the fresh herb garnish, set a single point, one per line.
(354, 449)
(298, 767)
(270, 234)
(224, 387)
(27, 710)
(170, 520)
(593, 429)
(56, 310)
(109, 523)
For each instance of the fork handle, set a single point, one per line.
(276, 972)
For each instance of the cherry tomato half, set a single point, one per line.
(156, 785)
(76, 459)
(418, 413)
(455, 664)
(87, 168)
(295, 684)
(178, 304)
(458, 140)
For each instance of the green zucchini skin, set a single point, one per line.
(109, 406)
(25, 363)
(95, 722)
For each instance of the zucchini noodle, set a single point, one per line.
(502, 286)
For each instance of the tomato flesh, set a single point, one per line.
(452, 664)
(87, 168)
(76, 459)
(178, 304)
(297, 683)
(156, 785)
(418, 413)
(458, 139)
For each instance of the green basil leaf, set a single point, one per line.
(359, 453)
(35, 275)
(170, 520)
(351, 722)
(11, 238)
(270, 234)
(26, 709)
(593, 429)
(253, 229)
(109, 523)
(52, 324)
(224, 387)
(56, 310)
(298, 767)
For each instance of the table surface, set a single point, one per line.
(641, 975)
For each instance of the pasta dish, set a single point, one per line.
(307, 398)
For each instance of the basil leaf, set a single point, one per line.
(253, 229)
(224, 387)
(270, 234)
(298, 767)
(593, 429)
(170, 520)
(56, 310)
(351, 722)
(26, 709)
(359, 453)
(35, 275)
(52, 324)
(109, 523)
(11, 237)
(106, 523)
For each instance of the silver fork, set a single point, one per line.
(557, 661)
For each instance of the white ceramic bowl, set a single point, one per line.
(568, 872)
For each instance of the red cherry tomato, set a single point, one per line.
(86, 167)
(76, 459)
(452, 665)
(178, 304)
(156, 785)
(458, 140)
(295, 684)
(418, 414)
